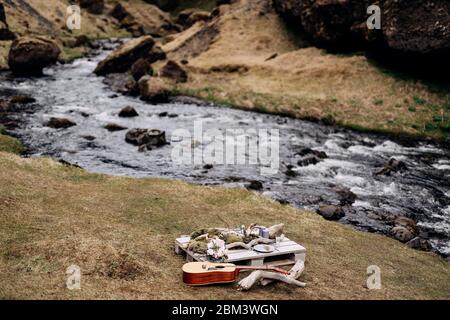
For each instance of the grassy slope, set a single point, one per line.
(120, 231)
(308, 82)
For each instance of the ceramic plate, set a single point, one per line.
(264, 248)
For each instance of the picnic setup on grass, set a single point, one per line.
(219, 255)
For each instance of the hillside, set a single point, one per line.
(121, 230)
(121, 233)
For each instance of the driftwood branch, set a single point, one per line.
(265, 277)
(294, 273)
(249, 245)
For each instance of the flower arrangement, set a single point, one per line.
(216, 250)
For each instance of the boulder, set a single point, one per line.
(419, 244)
(112, 127)
(393, 165)
(146, 138)
(22, 99)
(331, 212)
(308, 160)
(92, 6)
(58, 123)
(156, 54)
(189, 17)
(140, 68)
(153, 89)
(119, 12)
(172, 70)
(89, 138)
(402, 234)
(347, 197)
(254, 185)
(82, 40)
(406, 223)
(128, 112)
(29, 56)
(121, 59)
(307, 151)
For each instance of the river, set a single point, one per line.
(421, 192)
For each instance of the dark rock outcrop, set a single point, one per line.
(412, 31)
(166, 5)
(93, 6)
(174, 71)
(121, 59)
(328, 23)
(29, 56)
(5, 33)
(140, 68)
(417, 26)
(156, 54)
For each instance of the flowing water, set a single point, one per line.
(422, 192)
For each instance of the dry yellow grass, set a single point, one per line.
(306, 82)
(121, 231)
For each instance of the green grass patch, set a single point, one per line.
(419, 101)
(10, 144)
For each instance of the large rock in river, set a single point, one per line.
(121, 59)
(153, 89)
(29, 56)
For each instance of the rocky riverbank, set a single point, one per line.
(248, 54)
(363, 180)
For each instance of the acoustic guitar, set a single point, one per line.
(204, 273)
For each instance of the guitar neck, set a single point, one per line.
(241, 268)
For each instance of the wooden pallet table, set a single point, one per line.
(286, 252)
